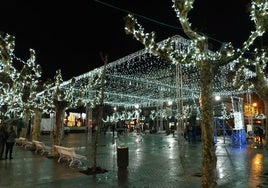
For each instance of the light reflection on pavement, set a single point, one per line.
(155, 160)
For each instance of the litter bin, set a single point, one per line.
(122, 157)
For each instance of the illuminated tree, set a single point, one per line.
(97, 104)
(18, 93)
(200, 56)
(8, 72)
(55, 99)
(7, 44)
(27, 86)
(21, 95)
(251, 74)
(100, 114)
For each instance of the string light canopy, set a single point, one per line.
(145, 80)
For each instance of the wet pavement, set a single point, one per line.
(154, 160)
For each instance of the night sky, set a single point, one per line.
(69, 35)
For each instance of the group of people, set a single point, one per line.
(7, 141)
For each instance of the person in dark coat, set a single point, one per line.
(2, 141)
(10, 142)
(259, 133)
(192, 126)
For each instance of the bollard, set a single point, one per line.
(122, 157)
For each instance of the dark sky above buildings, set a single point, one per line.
(69, 35)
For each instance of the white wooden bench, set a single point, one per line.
(70, 154)
(19, 141)
(23, 142)
(41, 147)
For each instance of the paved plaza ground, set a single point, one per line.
(155, 161)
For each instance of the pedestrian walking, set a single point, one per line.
(113, 128)
(259, 134)
(10, 142)
(189, 130)
(2, 141)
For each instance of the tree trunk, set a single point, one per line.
(58, 131)
(26, 119)
(95, 144)
(208, 148)
(37, 122)
(100, 110)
